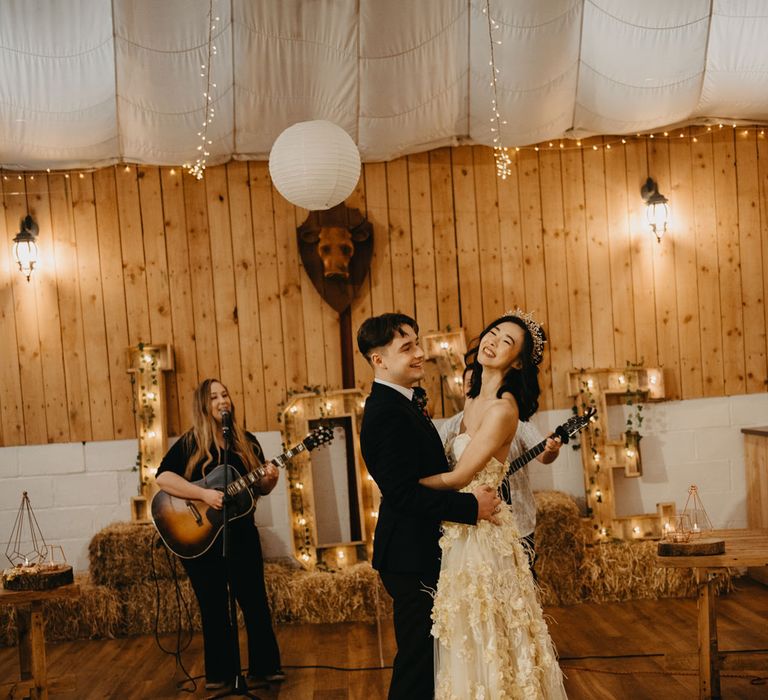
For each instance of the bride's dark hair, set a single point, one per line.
(522, 382)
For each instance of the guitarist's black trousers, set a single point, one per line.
(208, 575)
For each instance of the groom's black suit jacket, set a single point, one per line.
(400, 446)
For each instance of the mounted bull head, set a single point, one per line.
(336, 248)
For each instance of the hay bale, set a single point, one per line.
(294, 595)
(140, 614)
(560, 548)
(277, 579)
(347, 595)
(8, 637)
(570, 571)
(122, 558)
(123, 554)
(94, 615)
(619, 570)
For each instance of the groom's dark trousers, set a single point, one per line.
(400, 446)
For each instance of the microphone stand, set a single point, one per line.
(239, 686)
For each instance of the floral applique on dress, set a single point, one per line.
(491, 640)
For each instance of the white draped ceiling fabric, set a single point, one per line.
(86, 83)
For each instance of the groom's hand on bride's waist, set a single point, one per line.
(488, 504)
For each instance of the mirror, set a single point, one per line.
(333, 500)
(335, 485)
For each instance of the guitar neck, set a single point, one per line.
(252, 478)
(564, 432)
(283, 459)
(519, 462)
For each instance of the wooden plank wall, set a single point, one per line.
(151, 255)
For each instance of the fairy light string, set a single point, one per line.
(197, 169)
(689, 133)
(500, 152)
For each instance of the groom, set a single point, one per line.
(400, 445)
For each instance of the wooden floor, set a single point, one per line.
(608, 651)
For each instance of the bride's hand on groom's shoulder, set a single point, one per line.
(488, 504)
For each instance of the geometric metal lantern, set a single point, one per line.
(37, 550)
(700, 523)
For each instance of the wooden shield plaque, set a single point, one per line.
(336, 248)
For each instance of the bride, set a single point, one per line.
(491, 640)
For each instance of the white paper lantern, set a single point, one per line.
(314, 165)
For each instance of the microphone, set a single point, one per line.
(226, 420)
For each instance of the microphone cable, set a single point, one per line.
(181, 602)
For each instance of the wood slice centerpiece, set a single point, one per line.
(37, 577)
(698, 547)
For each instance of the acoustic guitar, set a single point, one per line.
(189, 527)
(565, 432)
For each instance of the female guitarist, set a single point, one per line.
(194, 455)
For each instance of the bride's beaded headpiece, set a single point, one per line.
(534, 328)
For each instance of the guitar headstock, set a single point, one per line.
(575, 424)
(321, 435)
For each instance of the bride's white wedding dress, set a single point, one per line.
(491, 640)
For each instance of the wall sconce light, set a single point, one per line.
(25, 246)
(656, 210)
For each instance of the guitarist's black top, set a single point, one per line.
(400, 446)
(176, 459)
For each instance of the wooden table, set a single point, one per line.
(742, 548)
(34, 681)
(756, 472)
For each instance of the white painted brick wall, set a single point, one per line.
(40, 490)
(63, 523)
(112, 455)
(9, 462)
(77, 489)
(748, 410)
(694, 442)
(691, 414)
(81, 489)
(669, 447)
(684, 442)
(51, 459)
